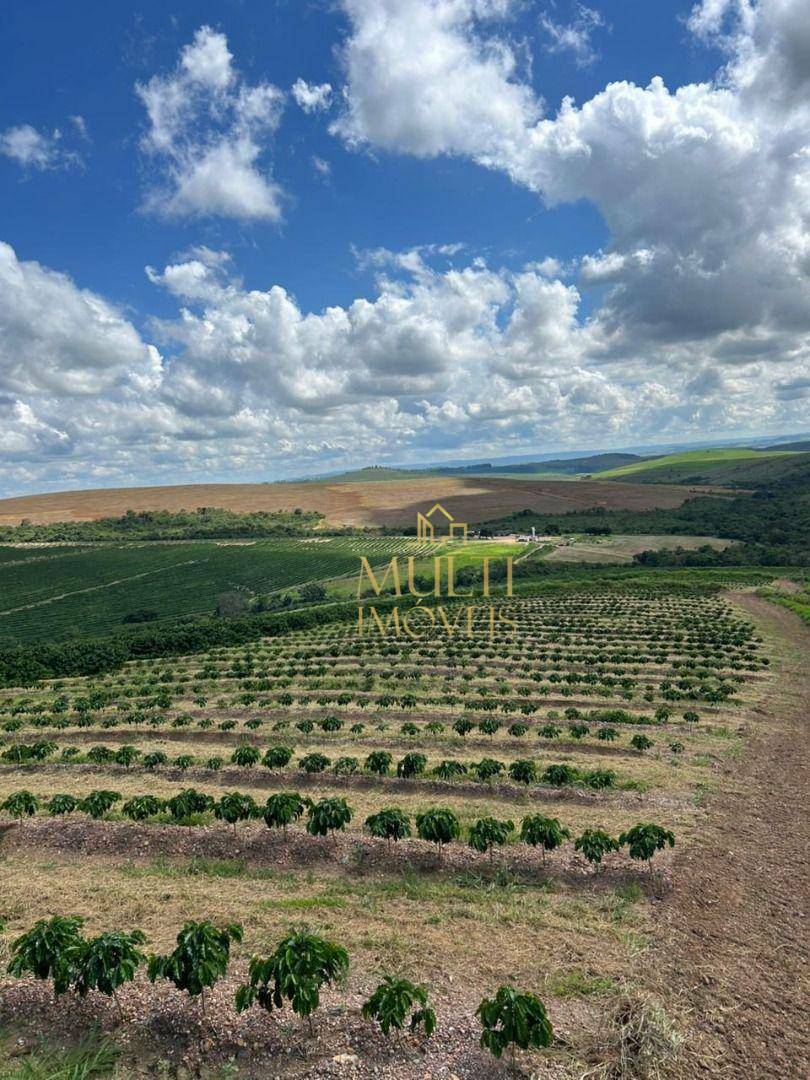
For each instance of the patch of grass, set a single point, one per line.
(200, 867)
(95, 1056)
(631, 784)
(578, 983)
(638, 1041)
(631, 893)
(702, 793)
(722, 732)
(620, 904)
(303, 903)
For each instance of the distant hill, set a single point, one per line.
(593, 463)
(577, 466)
(802, 446)
(366, 475)
(737, 467)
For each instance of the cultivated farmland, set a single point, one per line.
(604, 711)
(372, 503)
(66, 591)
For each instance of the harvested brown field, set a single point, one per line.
(389, 502)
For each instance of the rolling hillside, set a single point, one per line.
(391, 503)
(737, 467)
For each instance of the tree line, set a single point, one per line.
(204, 523)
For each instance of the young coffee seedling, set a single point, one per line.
(644, 839)
(390, 824)
(49, 950)
(300, 965)
(487, 832)
(106, 962)
(199, 959)
(543, 832)
(281, 810)
(393, 1000)
(439, 826)
(594, 844)
(513, 1019)
(328, 815)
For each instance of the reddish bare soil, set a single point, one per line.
(384, 502)
(735, 925)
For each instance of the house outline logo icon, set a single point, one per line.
(426, 530)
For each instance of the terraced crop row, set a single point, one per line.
(597, 715)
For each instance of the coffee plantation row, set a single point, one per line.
(46, 595)
(293, 975)
(437, 825)
(422, 784)
(378, 763)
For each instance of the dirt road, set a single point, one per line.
(735, 927)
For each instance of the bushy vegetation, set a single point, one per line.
(772, 524)
(205, 523)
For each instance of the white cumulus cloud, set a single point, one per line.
(208, 131)
(312, 97)
(33, 149)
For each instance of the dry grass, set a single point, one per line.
(636, 1041)
(446, 929)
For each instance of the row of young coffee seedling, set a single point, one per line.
(577, 721)
(293, 974)
(331, 815)
(379, 762)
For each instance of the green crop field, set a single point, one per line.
(63, 592)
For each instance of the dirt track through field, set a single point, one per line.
(734, 929)
(96, 588)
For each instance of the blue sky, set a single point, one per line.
(594, 261)
(85, 61)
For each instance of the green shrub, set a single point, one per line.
(314, 763)
(487, 832)
(411, 765)
(439, 826)
(513, 1019)
(594, 844)
(389, 824)
(199, 959)
(142, 807)
(328, 815)
(295, 972)
(21, 804)
(544, 832)
(277, 757)
(235, 807)
(393, 1000)
(378, 761)
(246, 756)
(49, 950)
(644, 839)
(282, 809)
